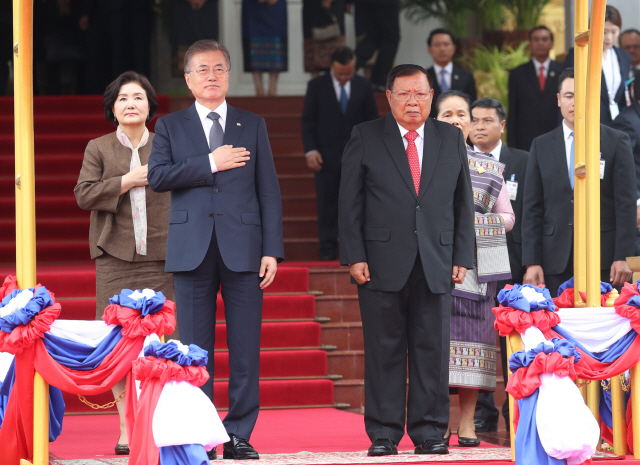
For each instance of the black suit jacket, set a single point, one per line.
(244, 203)
(382, 220)
(532, 112)
(624, 59)
(628, 121)
(324, 127)
(547, 218)
(515, 162)
(461, 79)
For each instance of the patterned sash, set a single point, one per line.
(491, 260)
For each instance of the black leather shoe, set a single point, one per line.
(382, 447)
(213, 454)
(122, 449)
(239, 449)
(482, 426)
(468, 442)
(431, 447)
(446, 439)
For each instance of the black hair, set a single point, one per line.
(453, 93)
(630, 31)
(566, 74)
(440, 30)
(113, 89)
(343, 55)
(612, 15)
(540, 28)
(488, 102)
(407, 70)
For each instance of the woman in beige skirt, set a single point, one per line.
(129, 222)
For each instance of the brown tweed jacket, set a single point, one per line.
(106, 160)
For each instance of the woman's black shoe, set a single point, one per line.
(468, 442)
(122, 449)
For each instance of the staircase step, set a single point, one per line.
(290, 163)
(347, 363)
(80, 280)
(345, 336)
(301, 248)
(278, 335)
(338, 307)
(285, 123)
(283, 393)
(300, 226)
(298, 183)
(280, 364)
(49, 251)
(85, 104)
(298, 205)
(50, 229)
(350, 392)
(45, 185)
(47, 165)
(48, 207)
(332, 281)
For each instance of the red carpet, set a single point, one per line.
(276, 432)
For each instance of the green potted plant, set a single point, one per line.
(454, 14)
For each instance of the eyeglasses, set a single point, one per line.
(408, 95)
(204, 73)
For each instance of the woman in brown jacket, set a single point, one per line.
(129, 222)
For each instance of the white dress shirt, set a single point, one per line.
(611, 70)
(336, 87)
(546, 65)
(495, 152)
(447, 75)
(207, 123)
(568, 140)
(419, 141)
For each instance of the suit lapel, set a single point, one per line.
(559, 151)
(233, 126)
(356, 89)
(331, 95)
(193, 126)
(532, 77)
(456, 82)
(395, 146)
(505, 157)
(555, 69)
(429, 155)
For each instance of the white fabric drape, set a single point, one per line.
(596, 328)
(90, 332)
(5, 362)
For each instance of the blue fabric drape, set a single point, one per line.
(529, 450)
(170, 351)
(79, 356)
(145, 305)
(188, 454)
(523, 358)
(41, 299)
(56, 403)
(513, 298)
(604, 287)
(611, 354)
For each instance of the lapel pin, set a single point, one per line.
(455, 76)
(239, 124)
(552, 74)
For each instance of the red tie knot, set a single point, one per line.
(411, 135)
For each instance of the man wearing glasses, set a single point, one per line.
(407, 233)
(225, 227)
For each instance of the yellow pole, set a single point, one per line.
(25, 199)
(514, 344)
(579, 190)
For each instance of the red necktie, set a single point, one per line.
(414, 161)
(541, 78)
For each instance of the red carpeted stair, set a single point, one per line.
(293, 364)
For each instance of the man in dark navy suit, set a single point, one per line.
(533, 86)
(441, 45)
(334, 103)
(225, 227)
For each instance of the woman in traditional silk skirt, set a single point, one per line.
(129, 222)
(264, 41)
(472, 359)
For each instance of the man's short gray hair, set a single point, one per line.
(203, 46)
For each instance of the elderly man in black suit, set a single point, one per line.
(406, 231)
(334, 103)
(533, 104)
(547, 217)
(628, 121)
(487, 127)
(441, 45)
